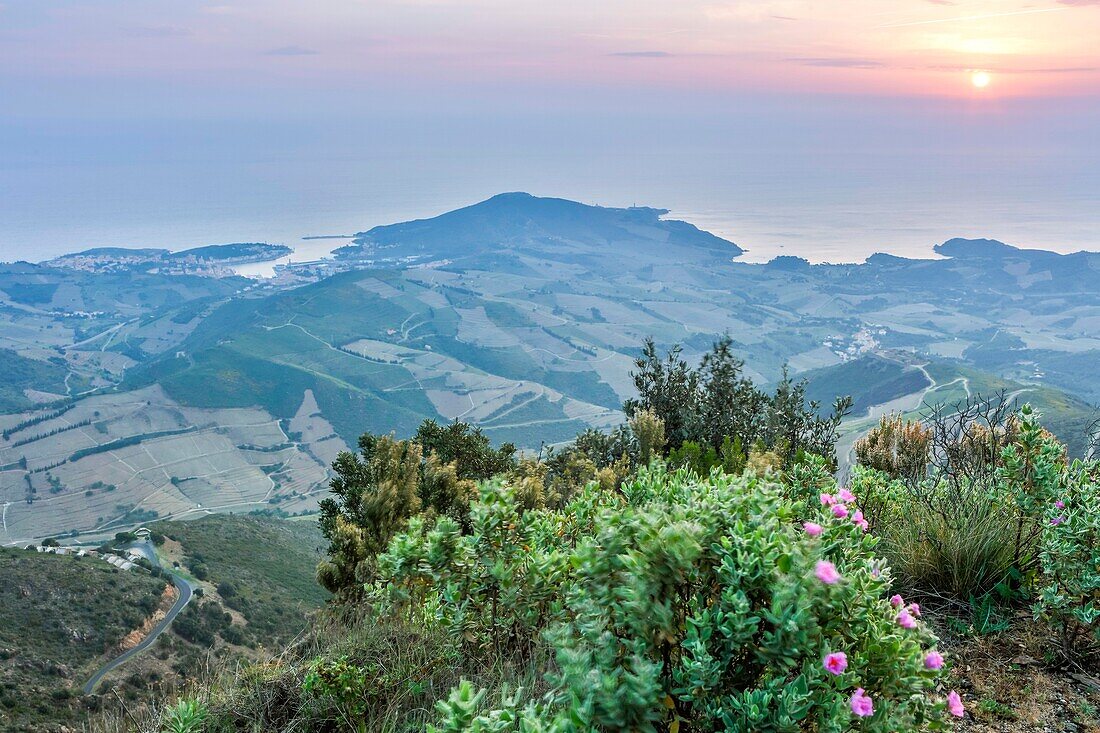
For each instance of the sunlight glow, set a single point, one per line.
(980, 79)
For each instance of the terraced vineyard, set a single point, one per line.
(115, 460)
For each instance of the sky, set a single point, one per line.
(115, 53)
(175, 120)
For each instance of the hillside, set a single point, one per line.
(258, 567)
(237, 252)
(519, 221)
(254, 585)
(22, 374)
(65, 616)
(62, 617)
(384, 350)
(122, 259)
(117, 460)
(523, 315)
(870, 380)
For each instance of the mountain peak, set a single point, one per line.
(521, 221)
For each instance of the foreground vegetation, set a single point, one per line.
(664, 577)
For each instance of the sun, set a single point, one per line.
(980, 79)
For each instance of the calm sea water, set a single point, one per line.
(827, 190)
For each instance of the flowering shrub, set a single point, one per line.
(678, 601)
(1070, 560)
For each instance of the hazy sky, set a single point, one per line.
(105, 54)
(182, 122)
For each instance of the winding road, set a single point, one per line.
(181, 602)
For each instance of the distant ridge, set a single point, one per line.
(987, 248)
(213, 252)
(993, 249)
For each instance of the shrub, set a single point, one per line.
(1070, 559)
(898, 447)
(729, 457)
(964, 554)
(348, 685)
(500, 584)
(376, 492)
(649, 429)
(186, 716)
(466, 448)
(971, 519)
(678, 601)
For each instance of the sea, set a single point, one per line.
(836, 188)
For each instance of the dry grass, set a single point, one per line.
(411, 669)
(963, 554)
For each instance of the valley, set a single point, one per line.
(177, 396)
(84, 639)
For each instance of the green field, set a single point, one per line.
(21, 373)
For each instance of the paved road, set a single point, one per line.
(184, 598)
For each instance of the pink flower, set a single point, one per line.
(846, 495)
(835, 663)
(906, 621)
(1060, 504)
(933, 660)
(1056, 521)
(896, 600)
(955, 704)
(812, 529)
(859, 521)
(914, 608)
(862, 705)
(826, 572)
(840, 511)
(828, 500)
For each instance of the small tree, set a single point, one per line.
(716, 403)
(669, 388)
(373, 496)
(649, 430)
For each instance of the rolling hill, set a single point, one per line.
(520, 314)
(62, 617)
(65, 616)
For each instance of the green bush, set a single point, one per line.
(1070, 557)
(347, 685)
(376, 492)
(187, 716)
(675, 602)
